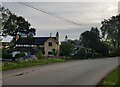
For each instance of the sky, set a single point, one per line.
(87, 14)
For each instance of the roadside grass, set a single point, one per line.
(29, 63)
(112, 79)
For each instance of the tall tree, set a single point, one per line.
(111, 30)
(5, 13)
(88, 37)
(13, 24)
(91, 39)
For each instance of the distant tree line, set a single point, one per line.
(95, 45)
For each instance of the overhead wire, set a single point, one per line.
(51, 14)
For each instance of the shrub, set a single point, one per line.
(98, 55)
(66, 49)
(114, 53)
(6, 56)
(39, 55)
(54, 52)
(80, 54)
(19, 55)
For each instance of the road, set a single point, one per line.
(79, 72)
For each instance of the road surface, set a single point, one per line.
(79, 72)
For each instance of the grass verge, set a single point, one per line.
(112, 79)
(23, 64)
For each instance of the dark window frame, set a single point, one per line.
(50, 53)
(50, 44)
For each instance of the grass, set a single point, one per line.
(112, 79)
(23, 64)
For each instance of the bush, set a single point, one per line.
(19, 55)
(54, 52)
(80, 54)
(98, 55)
(6, 56)
(114, 53)
(66, 49)
(39, 55)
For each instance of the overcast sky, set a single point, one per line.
(87, 14)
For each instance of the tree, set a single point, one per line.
(66, 49)
(102, 48)
(111, 30)
(88, 37)
(91, 39)
(13, 24)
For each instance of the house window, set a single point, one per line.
(43, 52)
(50, 44)
(42, 48)
(50, 53)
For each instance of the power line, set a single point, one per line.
(51, 14)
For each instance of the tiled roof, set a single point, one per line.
(33, 40)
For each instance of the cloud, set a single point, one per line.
(88, 14)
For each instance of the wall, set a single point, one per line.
(49, 48)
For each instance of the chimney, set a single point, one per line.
(57, 36)
(50, 34)
(17, 36)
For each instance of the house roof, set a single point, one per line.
(33, 40)
(6, 39)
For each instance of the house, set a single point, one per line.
(5, 42)
(31, 45)
(5, 45)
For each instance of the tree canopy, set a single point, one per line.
(88, 37)
(13, 24)
(91, 39)
(111, 30)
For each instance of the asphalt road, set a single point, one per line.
(79, 72)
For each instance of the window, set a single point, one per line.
(50, 44)
(50, 53)
(42, 48)
(43, 52)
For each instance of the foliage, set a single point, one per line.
(111, 30)
(16, 65)
(39, 55)
(83, 53)
(66, 49)
(112, 79)
(114, 53)
(102, 48)
(5, 15)
(80, 54)
(20, 55)
(13, 24)
(54, 51)
(91, 39)
(88, 37)
(6, 54)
